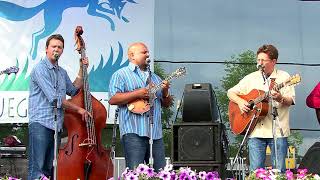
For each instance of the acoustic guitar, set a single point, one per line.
(258, 101)
(141, 106)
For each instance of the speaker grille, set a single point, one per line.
(196, 143)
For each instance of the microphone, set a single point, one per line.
(56, 55)
(260, 66)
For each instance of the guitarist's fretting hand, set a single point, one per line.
(276, 96)
(165, 88)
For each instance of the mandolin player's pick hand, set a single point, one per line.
(243, 106)
(142, 93)
(165, 85)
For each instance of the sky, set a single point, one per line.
(211, 31)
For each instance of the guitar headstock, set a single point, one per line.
(295, 79)
(13, 69)
(179, 72)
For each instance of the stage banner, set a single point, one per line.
(109, 27)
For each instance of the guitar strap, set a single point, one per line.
(273, 82)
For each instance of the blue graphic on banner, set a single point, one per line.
(99, 78)
(53, 10)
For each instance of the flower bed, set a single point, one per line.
(143, 172)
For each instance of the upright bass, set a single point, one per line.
(84, 157)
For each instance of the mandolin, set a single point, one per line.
(141, 106)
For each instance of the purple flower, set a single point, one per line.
(142, 168)
(202, 175)
(183, 175)
(150, 172)
(193, 175)
(212, 175)
(12, 178)
(173, 176)
(165, 175)
(131, 176)
(124, 173)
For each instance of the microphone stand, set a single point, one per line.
(150, 94)
(55, 162)
(275, 120)
(113, 146)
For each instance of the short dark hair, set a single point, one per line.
(270, 50)
(54, 36)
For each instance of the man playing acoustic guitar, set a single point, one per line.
(264, 79)
(127, 85)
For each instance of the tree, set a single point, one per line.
(236, 68)
(166, 114)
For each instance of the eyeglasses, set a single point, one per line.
(263, 60)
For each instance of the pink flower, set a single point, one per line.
(261, 173)
(289, 175)
(302, 171)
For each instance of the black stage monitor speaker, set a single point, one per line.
(198, 142)
(311, 159)
(199, 104)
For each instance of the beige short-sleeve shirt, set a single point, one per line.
(255, 80)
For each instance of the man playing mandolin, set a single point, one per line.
(129, 84)
(267, 77)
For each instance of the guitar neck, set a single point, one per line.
(262, 97)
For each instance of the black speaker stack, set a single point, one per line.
(198, 141)
(311, 159)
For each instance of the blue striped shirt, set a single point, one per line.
(48, 82)
(128, 79)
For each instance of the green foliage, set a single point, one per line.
(295, 139)
(166, 114)
(236, 68)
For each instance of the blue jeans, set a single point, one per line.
(41, 151)
(137, 151)
(257, 152)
